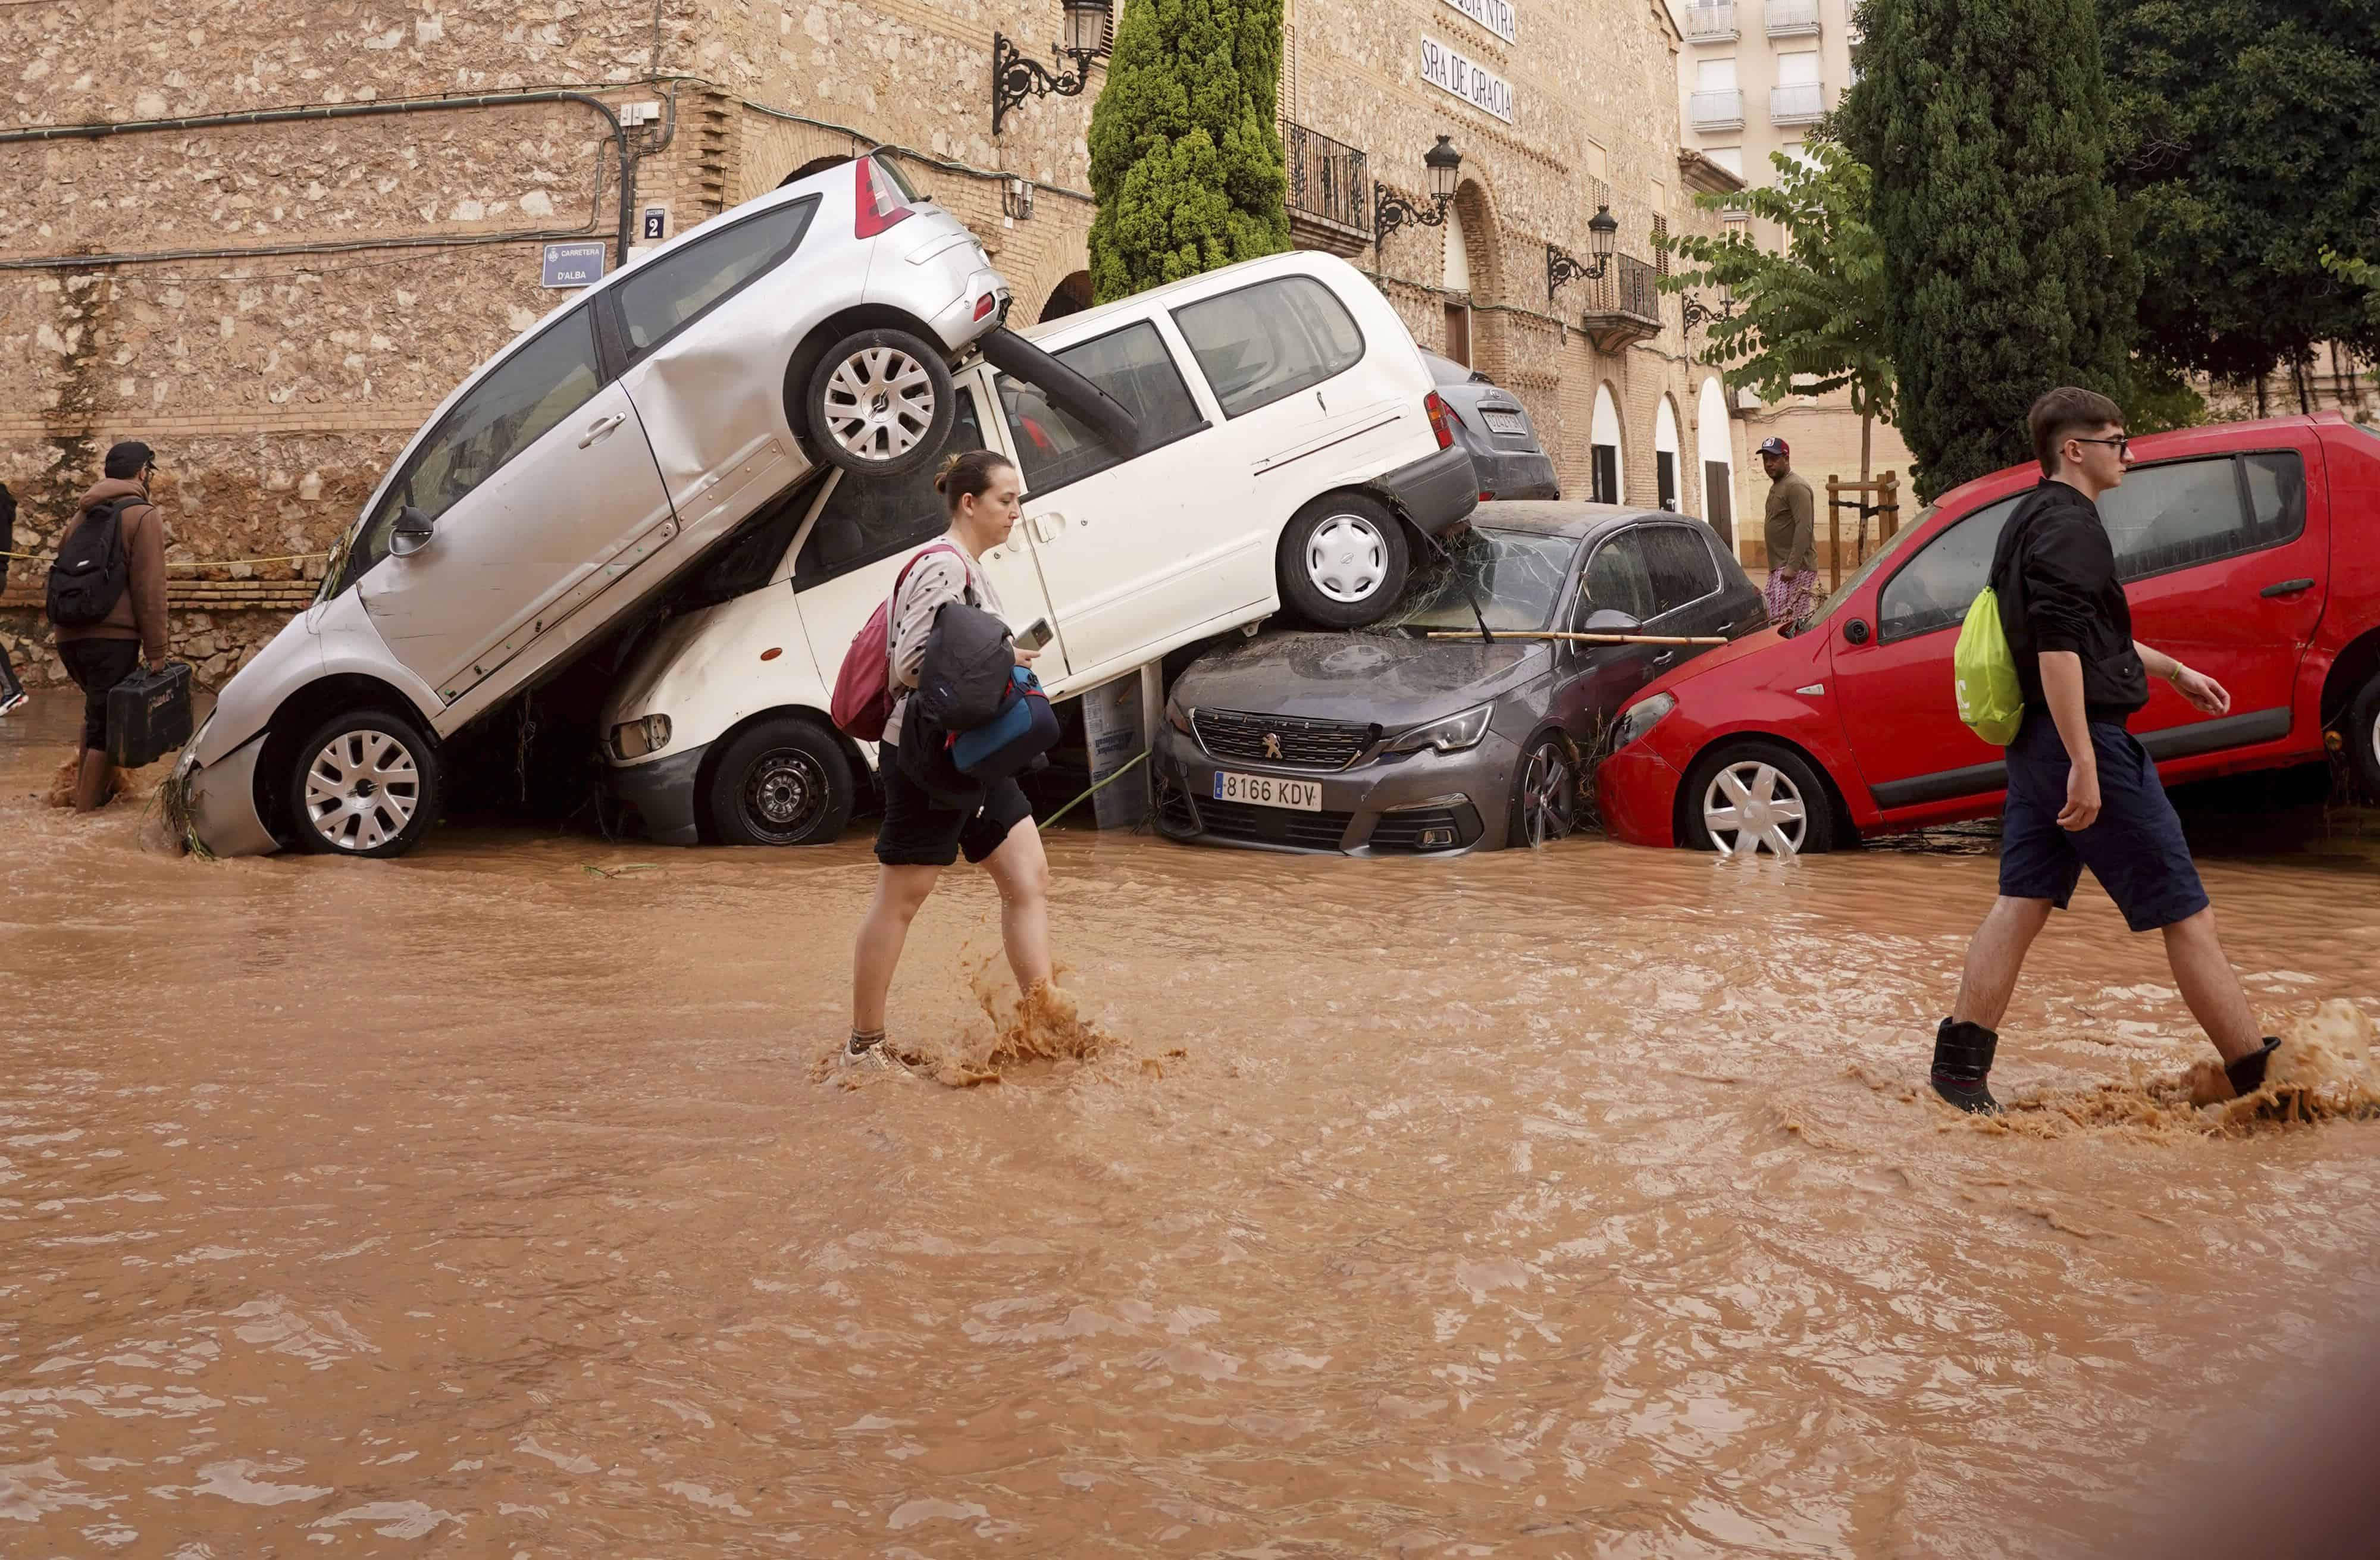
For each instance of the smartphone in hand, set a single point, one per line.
(1033, 635)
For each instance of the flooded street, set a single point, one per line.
(1574, 1203)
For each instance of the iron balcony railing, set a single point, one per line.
(1327, 178)
(1792, 18)
(1628, 285)
(1716, 111)
(1711, 22)
(1803, 103)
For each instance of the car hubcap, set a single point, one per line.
(1346, 558)
(785, 793)
(880, 402)
(1752, 807)
(362, 789)
(1548, 796)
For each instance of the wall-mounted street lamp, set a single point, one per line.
(1016, 197)
(1603, 232)
(1017, 76)
(1391, 211)
(1697, 314)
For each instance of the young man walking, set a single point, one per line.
(2082, 791)
(99, 655)
(1790, 521)
(12, 693)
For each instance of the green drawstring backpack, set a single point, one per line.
(1983, 670)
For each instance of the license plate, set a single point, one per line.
(1270, 791)
(1505, 422)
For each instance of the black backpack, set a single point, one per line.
(963, 678)
(91, 573)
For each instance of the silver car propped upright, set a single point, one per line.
(574, 474)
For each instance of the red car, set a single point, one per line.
(2250, 551)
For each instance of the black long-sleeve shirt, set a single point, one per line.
(2055, 572)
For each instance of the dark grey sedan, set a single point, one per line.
(1494, 427)
(1385, 741)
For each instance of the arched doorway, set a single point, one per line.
(1454, 276)
(1604, 435)
(1665, 455)
(1714, 442)
(1069, 296)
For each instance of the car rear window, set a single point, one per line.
(1274, 339)
(657, 299)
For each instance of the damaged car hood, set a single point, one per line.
(1359, 677)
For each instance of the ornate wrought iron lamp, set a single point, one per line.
(1016, 76)
(1603, 232)
(1698, 313)
(1391, 211)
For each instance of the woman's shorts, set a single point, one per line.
(918, 831)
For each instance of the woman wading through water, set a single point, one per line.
(919, 838)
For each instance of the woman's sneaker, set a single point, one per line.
(1962, 1062)
(11, 703)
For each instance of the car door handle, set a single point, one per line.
(600, 429)
(1045, 528)
(2287, 587)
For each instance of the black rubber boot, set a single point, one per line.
(2247, 1074)
(1963, 1060)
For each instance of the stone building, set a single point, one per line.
(275, 300)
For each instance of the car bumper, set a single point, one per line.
(1415, 804)
(223, 800)
(1435, 492)
(959, 326)
(1638, 792)
(1516, 474)
(664, 794)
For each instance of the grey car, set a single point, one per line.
(1385, 741)
(1491, 423)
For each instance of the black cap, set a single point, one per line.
(129, 458)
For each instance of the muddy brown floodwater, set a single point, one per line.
(1571, 1204)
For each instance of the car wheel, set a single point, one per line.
(1544, 794)
(365, 784)
(1751, 798)
(783, 783)
(1342, 560)
(2363, 737)
(880, 403)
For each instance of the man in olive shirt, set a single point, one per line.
(1792, 535)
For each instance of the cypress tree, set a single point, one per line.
(1185, 155)
(2007, 253)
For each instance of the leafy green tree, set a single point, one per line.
(2360, 273)
(1810, 318)
(1186, 156)
(2244, 133)
(2007, 257)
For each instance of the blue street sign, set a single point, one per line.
(573, 265)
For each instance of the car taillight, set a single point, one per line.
(1441, 419)
(983, 305)
(880, 205)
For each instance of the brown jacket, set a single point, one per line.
(140, 612)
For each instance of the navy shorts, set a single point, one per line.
(2135, 849)
(920, 831)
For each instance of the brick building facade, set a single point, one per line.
(276, 303)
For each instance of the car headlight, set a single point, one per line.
(1450, 735)
(1642, 717)
(633, 739)
(1178, 718)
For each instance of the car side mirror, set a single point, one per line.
(1856, 631)
(1611, 620)
(411, 532)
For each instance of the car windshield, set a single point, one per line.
(1877, 559)
(1516, 577)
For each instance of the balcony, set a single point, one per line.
(1329, 192)
(1803, 103)
(1710, 21)
(1714, 111)
(1792, 18)
(1623, 305)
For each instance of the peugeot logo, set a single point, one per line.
(1272, 745)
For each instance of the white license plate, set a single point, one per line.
(1270, 791)
(1505, 422)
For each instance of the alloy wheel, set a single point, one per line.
(1548, 796)
(880, 402)
(784, 794)
(362, 789)
(1346, 558)
(1752, 806)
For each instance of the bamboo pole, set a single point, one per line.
(1580, 638)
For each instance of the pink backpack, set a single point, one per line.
(863, 689)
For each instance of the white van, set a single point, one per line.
(1279, 442)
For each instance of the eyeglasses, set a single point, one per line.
(2123, 443)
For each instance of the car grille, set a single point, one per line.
(1301, 744)
(1273, 826)
(1403, 831)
